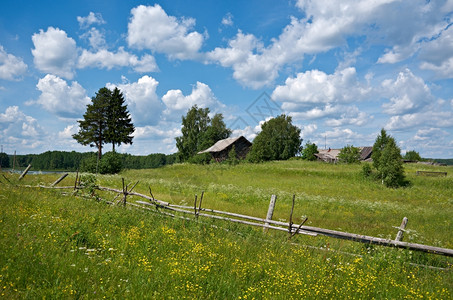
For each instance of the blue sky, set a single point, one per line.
(342, 69)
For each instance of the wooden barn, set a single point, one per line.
(222, 148)
(331, 155)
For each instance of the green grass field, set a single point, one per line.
(55, 245)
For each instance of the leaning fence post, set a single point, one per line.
(399, 235)
(59, 179)
(195, 206)
(25, 172)
(201, 199)
(270, 211)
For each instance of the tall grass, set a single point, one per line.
(55, 246)
(61, 246)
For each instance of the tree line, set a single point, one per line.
(72, 161)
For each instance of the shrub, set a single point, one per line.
(110, 163)
(412, 155)
(309, 151)
(388, 161)
(89, 164)
(232, 157)
(279, 139)
(349, 154)
(366, 170)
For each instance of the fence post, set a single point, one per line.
(270, 210)
(399, 235)
(59, 179)
(25, 172)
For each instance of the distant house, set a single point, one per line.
(331, 155)
(328, 155)
(222, 148)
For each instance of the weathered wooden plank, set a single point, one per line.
(431, 173)
(25, 172)
(229, 219)
(270, 210)
(378, 241)
(399, 235)
(59, 179)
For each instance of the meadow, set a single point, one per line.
(56, 245)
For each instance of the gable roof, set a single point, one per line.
(366, 152)
(223, 144)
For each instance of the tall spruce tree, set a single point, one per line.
(106, 120)
(388, 161)
(119, 122)
(93, 127)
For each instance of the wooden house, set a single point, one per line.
(331, 155)
(222, 148)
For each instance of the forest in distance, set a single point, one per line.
(70, 161)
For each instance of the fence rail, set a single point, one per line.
(431, 173)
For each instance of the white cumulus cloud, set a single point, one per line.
(143, 103)
(437, 54)
(177, 104)
(61, 99)
(11, 67)
(313, 87)
(17, 128)
(407, 94)
(151, 28)
(227, 20)
(54, 52)
(92, 18)
(95, 38)
(105, 59)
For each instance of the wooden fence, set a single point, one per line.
(431, 173)
(179, 211)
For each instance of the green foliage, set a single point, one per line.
(4, 160)
(232, 157)
(349, 155)
(309, 151)
(216, 131)
(412, 156)
(90, 164)
(381, 141)
(279, 139)
(93, 127)
(106, 120)
(89, 184)
(110, 163)
(447, 161)
(119, 122)
(388, 161)
(202, 159)
(72, 161)
(366, 170)
(199, 132)
(391, 166)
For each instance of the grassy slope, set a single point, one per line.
(332, 196)
(59, 246)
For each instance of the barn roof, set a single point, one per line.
(365, 152)
(223, 144)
